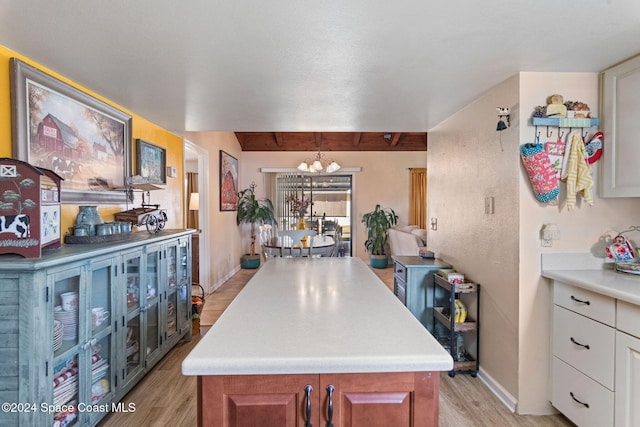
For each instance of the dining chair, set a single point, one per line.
(338, 250)
(294, 243)
(264, 236)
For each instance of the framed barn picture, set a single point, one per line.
(228, 182)
(151, 162)
(58, 127)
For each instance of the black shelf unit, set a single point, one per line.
(444, 296)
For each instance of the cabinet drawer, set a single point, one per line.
(587, 303)
(400, 271)
(566, 381)
(400, 289)
(570, 330)
(628, 318)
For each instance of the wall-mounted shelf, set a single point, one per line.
(564, 122)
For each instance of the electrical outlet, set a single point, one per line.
(434, 223)
(546, 243)
(489, 205)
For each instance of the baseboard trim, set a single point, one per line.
(500, 392)
(228, 276)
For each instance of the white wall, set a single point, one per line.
(502, 251)
(466, 164)
(581, 231)
(225, 241)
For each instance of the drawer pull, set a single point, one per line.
(330, 390)
(580, 301)
(586, 405)
(577, 343)
(307, 396)
(400, 271)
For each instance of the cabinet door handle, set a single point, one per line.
(307, 396)
(580, 301)
(577, 343)
(586, 405)
(330, 390)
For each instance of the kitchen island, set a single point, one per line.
(317, 340)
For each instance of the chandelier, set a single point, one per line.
(317, 165)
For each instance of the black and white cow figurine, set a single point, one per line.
(16, 224)
(66, 168)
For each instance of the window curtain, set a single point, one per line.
(418, 193)
(192, 187)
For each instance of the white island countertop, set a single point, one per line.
(318, 315)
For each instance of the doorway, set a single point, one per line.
(196, 161)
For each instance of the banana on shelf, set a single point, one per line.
(460, 313)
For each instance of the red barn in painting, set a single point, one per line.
(57, 138)
(228, 192)
(29, 208)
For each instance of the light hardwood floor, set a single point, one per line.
(167, 398)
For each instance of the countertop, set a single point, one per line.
(593, 276)
(315, 315)
(416, 261)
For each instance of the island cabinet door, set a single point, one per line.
(258, 400)
(380, 400)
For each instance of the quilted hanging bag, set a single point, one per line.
(541, 172)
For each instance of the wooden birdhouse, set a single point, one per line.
(29, 208)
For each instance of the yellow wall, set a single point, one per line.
(171, 198)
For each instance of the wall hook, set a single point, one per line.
(549, 133)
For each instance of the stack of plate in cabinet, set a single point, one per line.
(69, 321)
(58, 332)
(171, 317)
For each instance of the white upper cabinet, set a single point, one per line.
(620, 97)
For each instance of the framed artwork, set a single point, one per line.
(228, 182)
(58, 127)
(151, 162)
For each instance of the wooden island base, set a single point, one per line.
(396, 399)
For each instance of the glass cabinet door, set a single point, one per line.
(102, 325)
(184, 269)
(184, 307)
(172, 313)
(132, 320)
(68, 335)
(152, 278)
(172, 266)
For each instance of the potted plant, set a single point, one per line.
(252, 210)
(378, 223)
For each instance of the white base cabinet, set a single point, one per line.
(582, 381)
(627, 412)
(83, 323)
(596, 358)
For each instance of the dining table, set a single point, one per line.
(318, 246)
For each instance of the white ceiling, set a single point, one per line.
(323, 65)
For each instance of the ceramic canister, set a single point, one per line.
(90, 217)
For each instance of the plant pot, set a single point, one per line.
(250, 262)
(378, 261)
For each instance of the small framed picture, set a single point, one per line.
(151, 162)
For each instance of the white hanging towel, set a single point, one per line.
(578, 174)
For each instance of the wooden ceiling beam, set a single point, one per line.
(332, 141)
(279, 138)
(357, 137)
